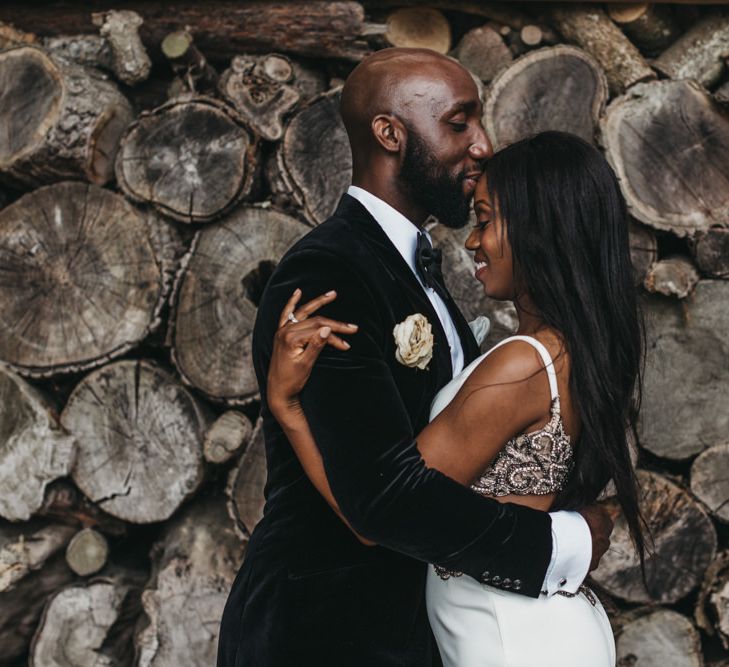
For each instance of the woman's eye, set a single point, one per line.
(482, 224)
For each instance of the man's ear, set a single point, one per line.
(389, 132)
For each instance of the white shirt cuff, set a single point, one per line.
(571, 553)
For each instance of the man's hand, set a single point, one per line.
(601, 525)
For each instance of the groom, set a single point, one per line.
(309, 593)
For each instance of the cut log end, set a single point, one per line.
(228, 434)
(87, 552)
(673, 276)
(419, 27)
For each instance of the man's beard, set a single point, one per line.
(431, 186)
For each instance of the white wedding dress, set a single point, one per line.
(477, 625)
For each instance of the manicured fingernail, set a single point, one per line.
(346, 344)
(325, 331)
(297, 291)
(353, 326)
(331, 292)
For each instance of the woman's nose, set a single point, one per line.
(473, 242)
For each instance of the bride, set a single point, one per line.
(545, 410)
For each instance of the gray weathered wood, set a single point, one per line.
(658, 638)
(643, 250)
(81, 279)
(139, 439)
(227, 435)
(699, 53)
(88, 50)
(312, 165)
(216, 298)
(645, 130)
(246, 482)
(483, 52)
(712, 606)
(87, 552)
(190, 65)
(651, 27)
(687, 373)
(672, 276)
(590, 28)
(120, 28)
(685, 543)
(34, 450)
(710, 480)
(58, 120)
(194, 567)
(711, 251)
(555, 88)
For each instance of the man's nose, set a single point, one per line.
(481, 148)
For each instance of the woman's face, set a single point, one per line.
(490, 245)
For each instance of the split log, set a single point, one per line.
(650, 27)
(643, 250)
(259, 89)
(483, 52)
(66, 125)
(81, 280)
(32, 568)
(130, 61)
(643, 133)
(88, 624)
(312, 165)
(709, 481)
(191, 158)
(34, 450)
(684, 544)
(699, 54)
(590, 28)
(139, 440)
(658, 637)
(458, 271)
(227, 435)
(194, 568)
(223, 28)
(246, 482)
(687, 373)
(189, 63)
(216, 298)
(672, 276)
(711, 251)
(420, 28)
(87, 552)
(712, 606)
(555, 88)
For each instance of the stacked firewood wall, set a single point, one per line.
(158, 158)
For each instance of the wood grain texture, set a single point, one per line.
(710, 480)
(246, 482)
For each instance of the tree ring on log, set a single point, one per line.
(246, 482)
(81, 280)
(192, 159)
(554, 88)
(139, 436)
(645, 132)
(709, 482)
(216, 299)
(685, 543)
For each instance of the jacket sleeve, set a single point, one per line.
(369, 449)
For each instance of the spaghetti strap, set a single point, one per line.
(546, 359)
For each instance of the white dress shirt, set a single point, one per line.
(571, 539)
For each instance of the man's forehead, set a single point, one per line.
(438, 90)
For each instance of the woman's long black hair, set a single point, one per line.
(567, 224)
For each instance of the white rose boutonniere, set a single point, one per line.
(414, 341)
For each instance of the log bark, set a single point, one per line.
(130, 61)
(32, 568)
(419, 28)
(711, 251)
(651, 27)
(643, 250)
(686, 375)
(308, 173)
(709, 480)
(698, 54)
(87, 552)
(712, 606)
(79, 621)
(672, 276)
(246, 482)
(223, 28)
(87, 50)
(483, 52)
(685, 543)
(721, 94)
(81, 280)
(59, 120)
(227, 435)
(555, 88)
(216, 298)
(34, 450)
(658, 637)
(11, 36)
(644, 131)
(260, 90)
(591, 29)
(139, 440)
(192, 159)
(194, 567)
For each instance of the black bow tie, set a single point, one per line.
(427, 263)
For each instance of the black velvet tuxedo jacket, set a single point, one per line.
(309, 593)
